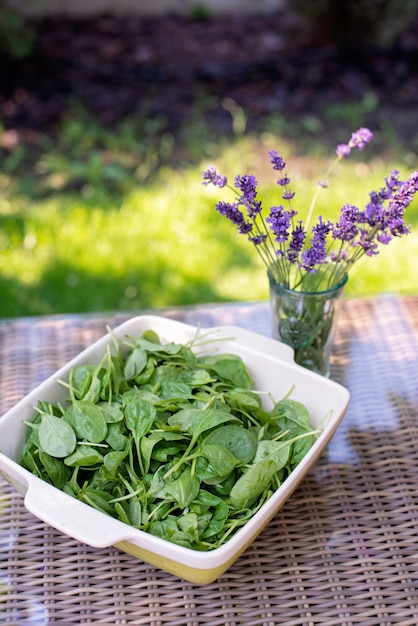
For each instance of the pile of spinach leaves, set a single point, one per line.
(167, 441)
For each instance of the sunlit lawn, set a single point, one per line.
(158, 241)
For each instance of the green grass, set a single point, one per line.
(103, 221)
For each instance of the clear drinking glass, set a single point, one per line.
(306, 321)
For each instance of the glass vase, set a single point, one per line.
(306, 321)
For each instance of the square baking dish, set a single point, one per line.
(272, 369)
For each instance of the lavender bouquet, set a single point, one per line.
(308, 266)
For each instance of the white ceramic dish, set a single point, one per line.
(272, 369)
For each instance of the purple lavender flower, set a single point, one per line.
(394, 220)
(254, 208)
(311, 258)
(406, 191)
(279, 221)
(392, 182)
(347, 226)
(258, 239)
(390, 220)
(245, 228)
(276, 160)
(360, 138)
(321, 230)
(284, 180)
(288, 195)
(343, 150)
(384, 238)
(211, 176)
(367, 243)
(375, 208)
(296, 242)
(232, 212)
(247, 184)
(317, 252)
(248, 187)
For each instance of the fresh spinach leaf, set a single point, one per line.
(135, 363)
(89, 421)
(252, 484)
(83, 456)
(220, 458)
(58, 473)
(184, 489)
(208, 419)
(139, 416)
(241, 442)
(277, 451)
(228, 367)
(56, 436)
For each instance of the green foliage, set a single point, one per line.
(199, 11)
(16, 34)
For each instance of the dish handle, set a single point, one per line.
(72, 517)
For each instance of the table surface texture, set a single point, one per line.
(342, 551)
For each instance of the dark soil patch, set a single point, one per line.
(267, 64)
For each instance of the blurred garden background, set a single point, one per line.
(107, 121)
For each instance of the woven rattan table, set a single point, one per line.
(343, 550)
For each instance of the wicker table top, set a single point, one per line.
(342, 551)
